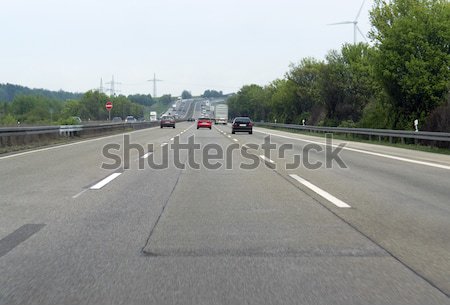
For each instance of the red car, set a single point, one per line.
(204, 122)
(167, 121)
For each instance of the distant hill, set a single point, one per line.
(9, 91)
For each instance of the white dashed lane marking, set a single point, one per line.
(105, 181)
(337, 202)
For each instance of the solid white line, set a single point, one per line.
(105, 181)
(337, 202)
(266, 159)
(447, 167)
(146, 155)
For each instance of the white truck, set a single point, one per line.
(221, 114)
(153, 116)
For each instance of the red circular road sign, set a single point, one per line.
(108, 105)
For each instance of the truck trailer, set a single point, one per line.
(221, 114)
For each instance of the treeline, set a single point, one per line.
(212, 94)
(9, 91)
(404, 76)
(206, 94)
(39, 110)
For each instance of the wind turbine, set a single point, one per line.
(355, 24)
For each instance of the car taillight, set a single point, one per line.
(250, 124)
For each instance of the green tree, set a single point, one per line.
(141, 99)
(165, 99)
(212, 93)
(284, 105)
(186, 94)
(9, 91)
(72, 108)
(413, 61)
(35, 109)
(249, 101)
(307, 78)
(93, 106)
(361, 87)
(334, 80)
(8, 120)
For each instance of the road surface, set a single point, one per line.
(267, 235)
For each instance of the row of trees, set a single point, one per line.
(206, 94)
(404, 76)
(38, 109)
(22, 105)
(9, 91)
(212, 93)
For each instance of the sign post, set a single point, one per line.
(109, 106)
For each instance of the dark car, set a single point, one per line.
(130, 119)
(243, 124)
(167, 121)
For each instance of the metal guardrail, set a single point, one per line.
(19, 134)
(10, 136)
(388, 133)
(64, 129)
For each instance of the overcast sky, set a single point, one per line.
(194, 45)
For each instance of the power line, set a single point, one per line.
(154, 80)
(112, 90)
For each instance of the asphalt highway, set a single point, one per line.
(374, 232)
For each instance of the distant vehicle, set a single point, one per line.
(153, 116)
(116, 119)
(167, 121)
(77, 119)
(221, 114)
(243, 124)
(191, 120)
(204, 122)
(130, 119)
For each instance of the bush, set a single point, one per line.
(439, 119)
(347, 124)
(375, 115)
(8, 120)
